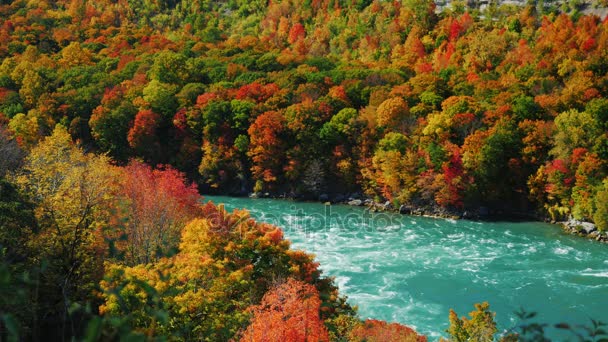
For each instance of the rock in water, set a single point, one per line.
(356, 202)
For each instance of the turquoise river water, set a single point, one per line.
(412, 270)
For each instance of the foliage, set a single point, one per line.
(157, 205)
(479, 327)
(12, 154)
(73, 194)
(251, 94)
(375, 331)
(288, 312)
(226, 263)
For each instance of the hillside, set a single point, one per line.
(324, 97)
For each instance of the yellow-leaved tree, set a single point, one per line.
(73, 193)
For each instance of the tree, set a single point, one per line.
(600, 216)
(479, 327)
(158, 205)
(142, 136)
(524, 107)
(74, 55)
(379, 331)
(288, 312)
(110, 122)
(161, 97)
(393, 114)
(452, 183)
(296, 33)
(573, 129)
(17, 224)
(391, 171)
(266, 147)
(341, 127)
(73, 193)
(26, 129)
(33, 86)
(169, 67)
(12, 154)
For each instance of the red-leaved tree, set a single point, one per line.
(159, 203)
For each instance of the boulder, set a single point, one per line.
(355, 202)
(387, 205)
(405, 209)
(587, 227)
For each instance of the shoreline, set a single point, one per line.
(574, 227)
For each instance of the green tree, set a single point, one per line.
(600, 217)
(161, 97)
(169, 67)
(574, 129)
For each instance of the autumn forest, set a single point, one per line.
(116, 115)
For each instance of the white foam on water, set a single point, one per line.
(601, 274)
(342, 282)
(410, 238)
(470, 269)
(456, 236)
(522, 286)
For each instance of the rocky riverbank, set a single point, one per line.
(584, 229)
(572, 226)
(360, 200)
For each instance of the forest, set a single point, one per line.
(457, 110)
(115, 115)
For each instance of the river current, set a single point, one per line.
(412, 269)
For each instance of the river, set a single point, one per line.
(412, 270)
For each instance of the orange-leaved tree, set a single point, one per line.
(288, 312)
(380, 331)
